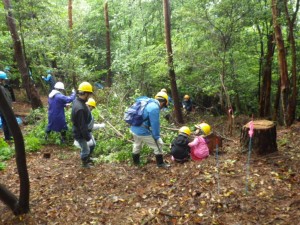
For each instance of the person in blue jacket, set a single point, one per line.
(57, 102)
(151, 137)
(49, 80)
(5, 91)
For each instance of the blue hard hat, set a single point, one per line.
(3, 75)
(48, 71)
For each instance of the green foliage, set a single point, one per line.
(35, 115)
(6, 153)
(32, 143)
(2, 165)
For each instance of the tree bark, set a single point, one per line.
(265, 93)
(70, 15)
(284, 80)
(292, 102)
(31, 91)
(263, 140)
(172, 75)
(108, 52)
(21, 205)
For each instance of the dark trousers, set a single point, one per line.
(6, 131)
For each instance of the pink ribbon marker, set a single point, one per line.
(251, 130)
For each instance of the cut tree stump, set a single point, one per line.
(264, 137)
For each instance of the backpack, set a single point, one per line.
(134, 114)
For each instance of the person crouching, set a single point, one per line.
(180, 149)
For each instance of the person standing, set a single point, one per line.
(6, 131)
(91, 103)
(49, 80)
(81, 118)
(57, 102)
(149, 131)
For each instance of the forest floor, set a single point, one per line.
(208, 192)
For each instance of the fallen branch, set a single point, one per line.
(225, 138)
(170, 128)
(117, 132)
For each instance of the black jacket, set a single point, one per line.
(179, 147)
(81, 117)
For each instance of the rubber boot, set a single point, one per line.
(160, 162)
(136, 159)
(63, 137)
(85, 163)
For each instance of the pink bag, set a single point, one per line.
(199, 149)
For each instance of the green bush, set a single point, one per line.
(32, 143)
(6, 153)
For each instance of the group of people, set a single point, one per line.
(187, 103)
(183, 149)
(81, 116)
(83, 124)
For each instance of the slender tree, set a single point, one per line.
(265, 93)
(172, 75)
(108, 53)
(31, 91)
(282, 61)
(21, 205)
(292, 102)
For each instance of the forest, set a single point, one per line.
(236, 60)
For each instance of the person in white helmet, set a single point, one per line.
(57, 102)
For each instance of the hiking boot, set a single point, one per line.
(160, 162)
(136, 159)
(86, 163)
(62, 141)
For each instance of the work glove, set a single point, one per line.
(43, 77)
(98, 126)
(73, 90)
(160, 142)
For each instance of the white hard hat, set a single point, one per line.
(59, 85)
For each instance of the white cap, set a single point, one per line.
(59, 85)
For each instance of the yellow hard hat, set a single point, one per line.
(186, 97)
(185, 130)
(204, 127)
(91, 102)
(164, 90)
(162, 95)
(85, 87)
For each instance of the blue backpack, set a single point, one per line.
(134, 114)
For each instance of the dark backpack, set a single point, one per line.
(134, 114)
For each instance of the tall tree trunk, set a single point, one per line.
(31, 91)
(108, 53)
(292, 103)
(21, 205)
(172, 75)
(284, 80)
(276, 106)
(265, 93)
(70, 15)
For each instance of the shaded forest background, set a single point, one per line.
(226, 53)
(229, 54)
